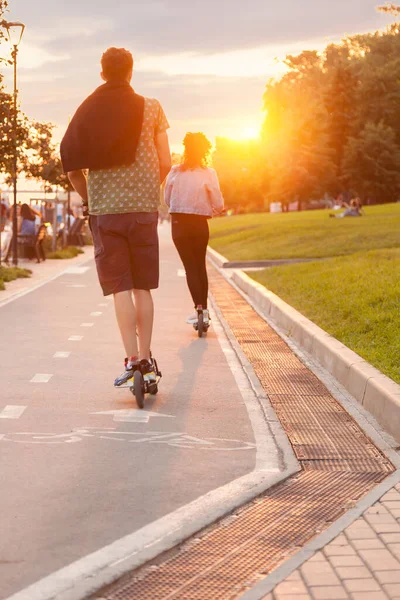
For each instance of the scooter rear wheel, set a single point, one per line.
(200, 325)
(138, 388)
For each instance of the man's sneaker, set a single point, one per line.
(206, 317)
(130, 367)
(148, 372)
(192, 320)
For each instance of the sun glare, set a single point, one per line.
(251, 133)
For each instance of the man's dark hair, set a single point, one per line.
(116, 63)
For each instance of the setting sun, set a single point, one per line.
(251, 133)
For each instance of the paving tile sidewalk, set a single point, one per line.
(362, 563)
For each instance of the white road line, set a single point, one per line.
(41, 378)
(12, 412)
(96, 314)
(75, 338)
(87, 324)
(181, 273)
(62, 355)
(103, 304)
(76, 270)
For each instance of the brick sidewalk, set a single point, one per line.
(363, 563)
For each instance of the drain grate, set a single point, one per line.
(339, 463)
(224, 561)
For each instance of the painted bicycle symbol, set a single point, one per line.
(175, 439)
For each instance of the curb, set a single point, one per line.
(376, 392)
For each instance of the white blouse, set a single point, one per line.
(193, 191)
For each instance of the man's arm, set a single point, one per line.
(164, 154)
(78, 182)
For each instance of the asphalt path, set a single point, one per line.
(80, 467)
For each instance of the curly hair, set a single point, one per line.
(197, 148)
(116, 63)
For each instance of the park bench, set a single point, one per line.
(33, 244)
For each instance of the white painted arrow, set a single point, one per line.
(12, 412)
(132, 415)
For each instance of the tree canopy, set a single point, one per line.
(332, 125)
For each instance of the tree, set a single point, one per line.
(295, 133)
(241, 169)
(371, 163)
(33, 139)
(393, 9)
(3, 10)
(338, 94)
(316, 117)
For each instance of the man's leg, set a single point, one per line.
(144, 318)
(126, 316)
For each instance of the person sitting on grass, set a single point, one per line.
(354, 209)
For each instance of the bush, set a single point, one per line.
(69, 252)
(11, 273)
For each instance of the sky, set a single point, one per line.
(207, 62)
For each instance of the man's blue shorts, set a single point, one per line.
(126, 251)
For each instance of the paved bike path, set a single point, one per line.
(73, 481)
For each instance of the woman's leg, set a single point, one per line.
(200, 243)
(184, 241)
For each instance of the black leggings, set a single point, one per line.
(190, 234)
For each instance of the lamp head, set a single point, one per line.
(15, 31)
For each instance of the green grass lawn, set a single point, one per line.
(308, 234)
(354, 298)
(354, 295)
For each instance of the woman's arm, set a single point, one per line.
(215, 194)
(36, 212)
(168, 187)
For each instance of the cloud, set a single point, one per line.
(209, 26)
(207, 62)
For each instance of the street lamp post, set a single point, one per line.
(15, 31)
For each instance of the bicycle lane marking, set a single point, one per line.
(172, 439)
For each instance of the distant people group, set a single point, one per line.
(353, 209)
(29, 220)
